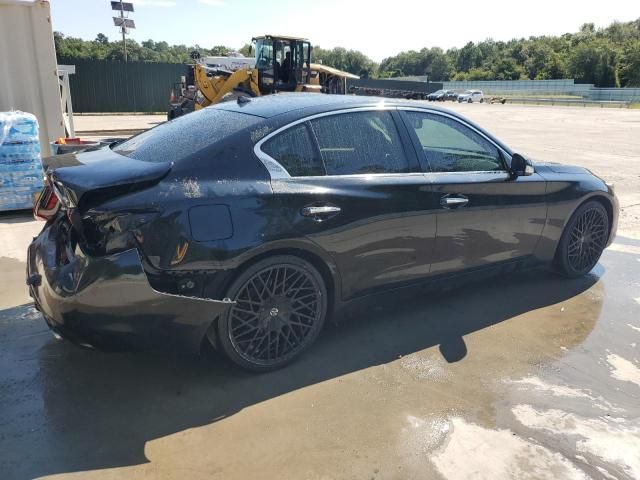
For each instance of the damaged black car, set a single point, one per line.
(247, 224)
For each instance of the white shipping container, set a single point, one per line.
(28, 70)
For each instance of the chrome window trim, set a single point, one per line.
(475, 176)
(278, 172)
(362, 175)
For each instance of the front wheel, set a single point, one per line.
(583, 240)
(281, 306)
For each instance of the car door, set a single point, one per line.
(484, 214)
(355, 187)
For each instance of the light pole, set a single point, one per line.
(123, 22)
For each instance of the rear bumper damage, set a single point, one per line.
(108, 302)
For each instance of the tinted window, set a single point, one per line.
(294, 150)
(452, 147)
(361, 142)
(180, 138)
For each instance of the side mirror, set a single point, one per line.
(520, 166)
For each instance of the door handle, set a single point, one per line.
(453, 201)
(320, 213)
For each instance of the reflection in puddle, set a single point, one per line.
(612, 440)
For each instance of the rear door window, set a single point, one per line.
(295, 151)
(360, 143)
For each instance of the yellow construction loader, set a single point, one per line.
(281, 64)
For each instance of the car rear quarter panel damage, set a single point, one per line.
(96, 300)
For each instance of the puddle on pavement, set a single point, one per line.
(517, 377)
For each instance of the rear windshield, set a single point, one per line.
(180, 138)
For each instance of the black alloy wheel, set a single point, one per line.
(583, 240)
(281, 305)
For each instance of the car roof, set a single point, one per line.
(272, 105)
(299, 105)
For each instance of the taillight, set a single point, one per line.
(46, 205)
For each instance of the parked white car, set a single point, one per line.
(471, 96)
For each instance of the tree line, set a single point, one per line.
(606, 57)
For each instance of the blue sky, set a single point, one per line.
(379, 29)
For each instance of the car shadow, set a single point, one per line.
(99, 409)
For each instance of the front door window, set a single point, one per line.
(451, 146)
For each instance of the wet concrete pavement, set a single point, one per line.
(528, 375)
(525, 375)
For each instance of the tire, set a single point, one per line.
(583, 240)
(281, 300)
(482, 100)
(470, 100)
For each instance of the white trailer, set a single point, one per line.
(29, 78)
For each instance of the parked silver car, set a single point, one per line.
(471, 96)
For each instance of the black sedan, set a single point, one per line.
(248, 223)
(442, 96)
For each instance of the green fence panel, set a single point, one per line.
(109, 86)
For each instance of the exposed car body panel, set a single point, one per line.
(93, 300)
(111, 172)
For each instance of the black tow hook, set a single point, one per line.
(34, 280)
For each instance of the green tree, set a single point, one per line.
(605, 56)
(479, 74)
(629, 65)
(593, 61)
(246, 50)
(351, 61)
(469, 56)
(536, 57)
(506, 69)
(102, 39)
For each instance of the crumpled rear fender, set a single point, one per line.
(95, 300)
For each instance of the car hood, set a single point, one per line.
(554, 167)
(100, 170)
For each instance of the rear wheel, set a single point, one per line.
(583, 240)
(281, 305)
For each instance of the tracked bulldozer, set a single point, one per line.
(281, 64)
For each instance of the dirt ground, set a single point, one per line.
(523, 376)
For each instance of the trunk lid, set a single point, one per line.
(81, 177)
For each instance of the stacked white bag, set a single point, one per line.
(20, 165)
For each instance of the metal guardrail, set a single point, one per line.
(392, 84)
(569, 101)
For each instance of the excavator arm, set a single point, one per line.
(214, 88)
